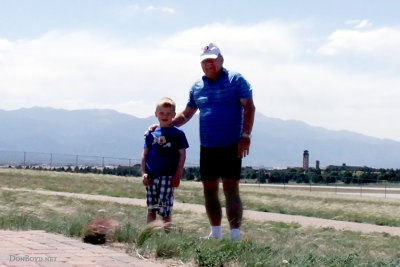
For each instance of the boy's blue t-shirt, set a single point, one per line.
(164, 145)
(221, 113)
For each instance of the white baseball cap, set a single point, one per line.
(209, 51)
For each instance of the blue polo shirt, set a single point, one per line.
(221, 113)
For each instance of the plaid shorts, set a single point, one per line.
(160, 195)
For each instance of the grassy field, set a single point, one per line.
(265, 243)
(315, 204)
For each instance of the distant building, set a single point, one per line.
(344, 166)
(305, 160)
(317, 164)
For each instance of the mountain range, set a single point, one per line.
(275, 142)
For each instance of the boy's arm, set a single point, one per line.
(143, 167)
(178, 174)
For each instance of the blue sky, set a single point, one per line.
(333, 64)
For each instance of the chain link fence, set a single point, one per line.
(50, 160)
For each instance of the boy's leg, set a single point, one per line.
(166, 201)
(167, 219)
(165, 193)
(167, 223)
(151, 216)
(152, 200)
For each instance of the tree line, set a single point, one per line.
(329, 175)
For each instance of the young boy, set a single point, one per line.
(163, 158)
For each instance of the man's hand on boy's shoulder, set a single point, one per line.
(146, 181)
(150, 129)
(176, 180)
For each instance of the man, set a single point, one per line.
(224, 99)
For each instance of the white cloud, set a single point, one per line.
(160, 8)
(271, 39)
(75, 70)
(5, 44)
(331, 98)
(138, 108)
(168, 10)
(134, 7)
(382, 44)
(359, 24)
(150, 8)
(59, 69)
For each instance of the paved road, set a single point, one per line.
(38, 248)
(372, 191)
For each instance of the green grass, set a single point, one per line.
(378, 211)
(265, 243)
(372, 210)
(71, 182)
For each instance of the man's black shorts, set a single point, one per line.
(220, 162)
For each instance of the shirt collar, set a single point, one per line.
(221, 74)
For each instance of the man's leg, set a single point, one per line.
(213, 207)
(234, 208)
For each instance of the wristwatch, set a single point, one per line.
(246, 135)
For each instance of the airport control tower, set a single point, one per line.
(305, 160)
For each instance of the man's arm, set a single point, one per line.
(248, 120)
(178, 174)
(184, 116)
(179, 120)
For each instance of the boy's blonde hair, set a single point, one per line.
(166, 102)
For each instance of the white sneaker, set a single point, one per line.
(210, 236)
(235, 234)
